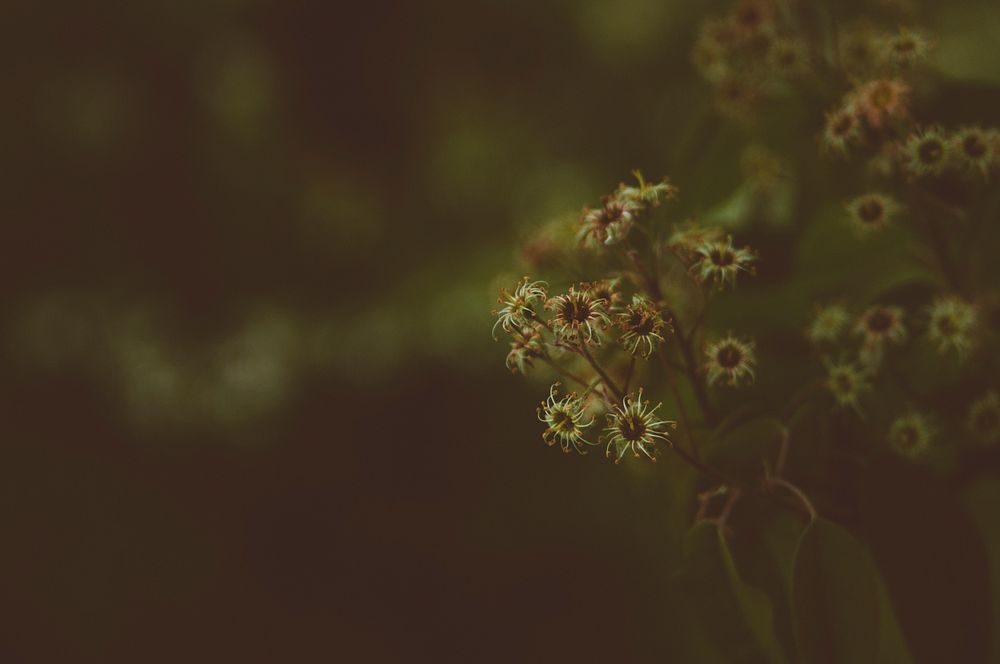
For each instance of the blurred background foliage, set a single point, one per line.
(251, 406)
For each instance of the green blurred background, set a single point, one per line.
(251, 407)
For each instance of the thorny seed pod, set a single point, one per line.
(518, 310)
(951, 323)
(719, 262)
(828, 324)
(872, 212)
(910, 435)
(984, 418)
(731, 360)
(578, 317)
(632, 425)
(607, 224)
(846, 381)
(642, 327)
(565, 421)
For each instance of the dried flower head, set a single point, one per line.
(828, 324)
(846, 381)
(735, 96)
(634, 426)
(642, 327)
(718, 261)
(710, 58)
(841, 129)
(879, 324)
(927, 152)
(881, 100)
(905, 48)
(731, 360)
(872, 212)
(578, 316)
(975, 149)
(910, 435)
(751, 17)
(518, 309)
(607, 290)
(984, 418)
(607, 224)
(646, 194)
(686, 239)
(524, 350)
(565, 421)
(788, 57)
(951, 324)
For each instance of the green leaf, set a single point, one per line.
(755, 605)
(840, 610)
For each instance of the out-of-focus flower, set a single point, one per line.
(910, 435)
(975, 149)
(788, 57)
(841, 130)
(642, 327)
(719, 262)
(951, 324)
(634, 426)
(846, 381)
(879, 325)
(731, 360)
(872, 212)
(518, 310)
(984, 418)
(927, 152)
(828, 324)
(578, 317)
(565, 420)
(881, 100)
(905, 48)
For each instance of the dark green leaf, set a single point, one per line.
(840, 609)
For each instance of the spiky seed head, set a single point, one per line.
(846, 381)
(910, 435)
(881, 100)
(566, 421)
(719, 262)
(524, 350)
(975, 149)
(633, 426)
(984, 418)
(828, 323)
(646, 194)
(905, 48)
(788, 57)
(951, 322)
(578, 317)
(608, 224)
(927, 152)
(608, 290)
(642, 327)
(841, 129)
(518, 305)
(730, 360)
(872, 212)
(688, 237)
